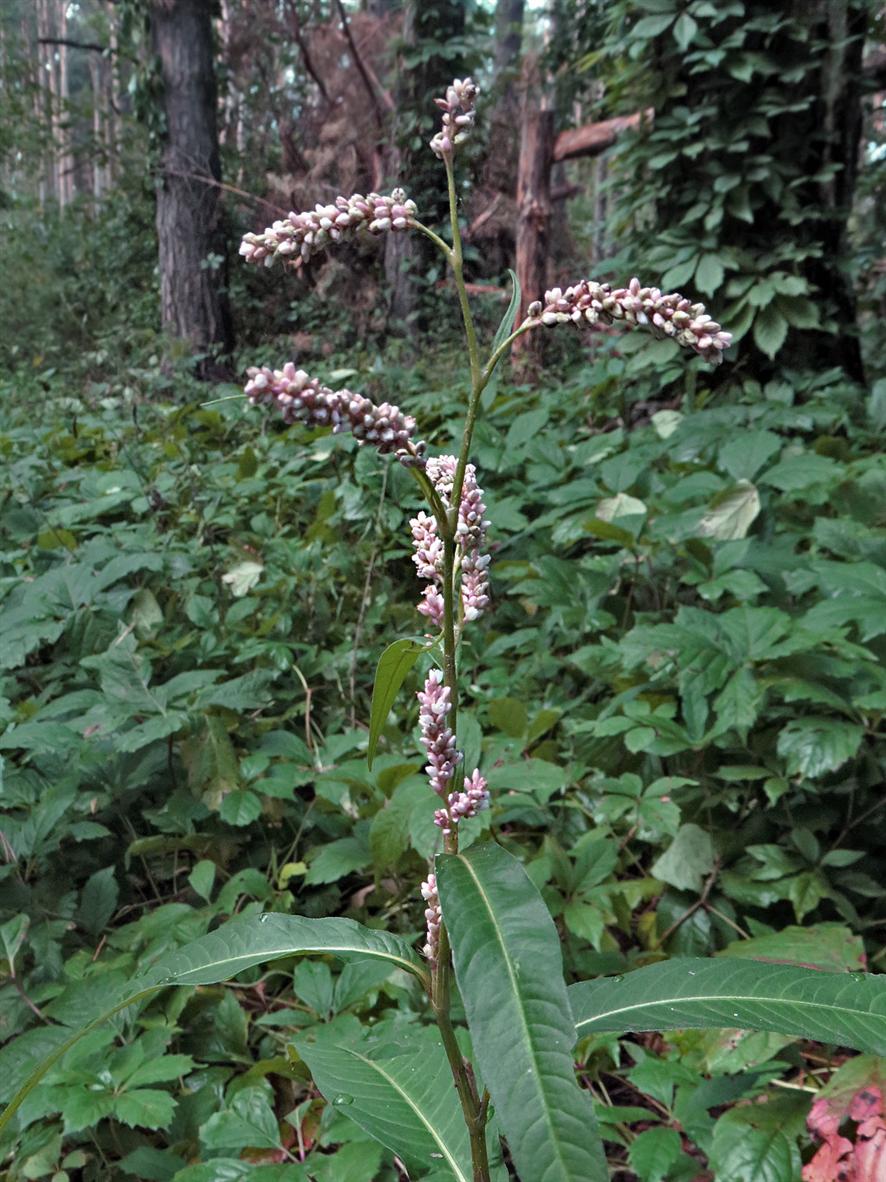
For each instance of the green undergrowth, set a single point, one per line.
(677, 702)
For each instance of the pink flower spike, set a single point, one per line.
(668, 315)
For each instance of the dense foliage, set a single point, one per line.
(678, 700)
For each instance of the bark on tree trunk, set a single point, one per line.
(834, 140)
(533, 211)
(66, 159)
(415, 166)
(193, 271)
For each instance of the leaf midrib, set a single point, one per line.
(728, 998)
(288, 950)
(511, 974)
(373, 1063)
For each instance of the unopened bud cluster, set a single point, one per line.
(436, 735)
(302, 399)
(433, 917)
(470, 532)
(668, 315)
(438, 741)
(299, 236)
(467, 803)
(458, 116)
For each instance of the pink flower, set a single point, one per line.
(669, 315)
(458, 116)
(302, 399)
(436, 735)
(299, 236)
(433, 917)
(473, 799)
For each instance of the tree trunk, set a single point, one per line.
(508, 40)
(413, 164)
(113, 93)
(834, 140)
(65, 159)
(193, 271)
(46, 63)
(533, 210)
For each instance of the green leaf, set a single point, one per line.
(684, 34)
(99, 900)
(653, 1153)
(145, 1108)
(525, 427)
(12, 935)
(211, 762)
(731, 513)
(814, 747)
(770, 330)
(847, 1009)
(202, 878)
(335, 860)
(394, 663)
(709, 272)
(148, 1164)
(749, 1145)
(687, 860)
(400, 1093)
(240, 807)
(651, 26)
(249, 1123)
(508, 966)
(506, 326)
(744, 456)
(251, 940)
(220, 955)
(830, 946)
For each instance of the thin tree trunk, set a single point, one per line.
(415, 166)
(113, 93)
(508, 40)
(193, 271)
(65, 158)
(46, 60)
(533, 209)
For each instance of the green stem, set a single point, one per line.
(503, 348)
(433, 499)
(457, 263)
(435, 238)
(472, 1108)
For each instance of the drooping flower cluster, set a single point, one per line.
(301, 398)
(668, 315)
(458, 115)
(443, 758)
(433, 916)
(299, 236)
(470, 532)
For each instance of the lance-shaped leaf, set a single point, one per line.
(240, 944)
(848, 1009)
(393, 665)
(510, 973)
(256, 939)
(400, 1093)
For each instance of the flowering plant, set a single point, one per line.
(497, 1094)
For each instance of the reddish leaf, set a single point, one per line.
(853, 1096)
